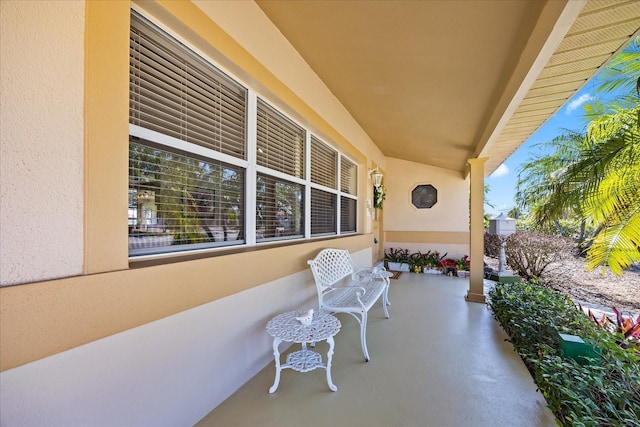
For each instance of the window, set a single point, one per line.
(324, 172)
(193, 173)
(279, 209)
(180, 201)
(348, 215)
(324, 164)
(323, 212)
(185, 117)
(175, 93)
(280, 142)
(348, 201)
(424, 196)
(280, 151)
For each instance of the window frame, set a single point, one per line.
(250, 165)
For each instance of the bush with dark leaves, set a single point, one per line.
(601, 392)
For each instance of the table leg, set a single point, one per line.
(276, 354)
(329, 357)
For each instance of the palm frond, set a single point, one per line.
(621, 72)
(595, 177)
(618, 245)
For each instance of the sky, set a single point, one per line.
(502, 182)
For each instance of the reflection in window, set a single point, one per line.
(348, 214)
(279, 209)
(323, 213)
(180, 201)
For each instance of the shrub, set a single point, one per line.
(530, 254)
(491, 245)
(606, 393)
(627, 326)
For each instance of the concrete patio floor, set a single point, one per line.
(438, 361)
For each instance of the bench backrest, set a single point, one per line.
(330, 267)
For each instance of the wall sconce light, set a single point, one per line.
(376, 176)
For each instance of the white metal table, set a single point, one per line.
(285, 327)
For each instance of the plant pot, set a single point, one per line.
(463, 273)
(398, 266)
(431, 270)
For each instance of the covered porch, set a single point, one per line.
(438, 361)
(434, 93)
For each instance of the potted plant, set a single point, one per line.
(433, 262)
(416, 262)
(462, 266)
(448, 266)
(397, 259)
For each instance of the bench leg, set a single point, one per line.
(385, 299)
(386, 290)
(363, 335)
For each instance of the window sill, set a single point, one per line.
(170, 258)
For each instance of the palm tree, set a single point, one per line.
(621, 73)
(542, 177)
(610, 172)
(597, 178)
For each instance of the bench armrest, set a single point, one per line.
(335, 288)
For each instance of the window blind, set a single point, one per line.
(348, 176)
(348, 208)
(324, 164)
(323, 212)
(175, 92)
(280, 142)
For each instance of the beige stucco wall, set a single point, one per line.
(443, 227)
(159, 333)
(77, 303)
(41, 140)
(170, 372)
(95, 293)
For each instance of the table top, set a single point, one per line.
(286, 327)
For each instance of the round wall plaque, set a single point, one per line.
(424, 196)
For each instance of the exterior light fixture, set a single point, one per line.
(376, 176)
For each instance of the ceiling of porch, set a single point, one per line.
(438, 82)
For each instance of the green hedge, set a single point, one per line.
(605, 392)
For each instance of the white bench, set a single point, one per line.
(342, 289)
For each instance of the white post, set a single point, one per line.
(502, 259)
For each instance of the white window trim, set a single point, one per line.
(251, 171)
(170, 141)
(250, 164)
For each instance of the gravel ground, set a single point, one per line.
(593, 289)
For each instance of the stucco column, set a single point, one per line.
(476, 244)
